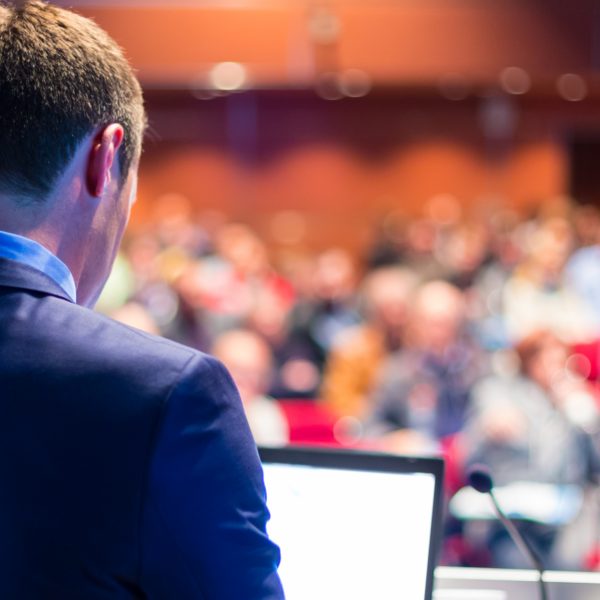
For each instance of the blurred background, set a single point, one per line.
(383, 216)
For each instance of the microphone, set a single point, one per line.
(479, 479)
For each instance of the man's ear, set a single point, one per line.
(102, 155)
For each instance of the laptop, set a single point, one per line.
(354, 525)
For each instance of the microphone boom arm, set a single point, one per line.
(523, 546)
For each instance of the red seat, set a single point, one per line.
(310, 422)
(591, 351)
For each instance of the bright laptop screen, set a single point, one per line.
(350, 534)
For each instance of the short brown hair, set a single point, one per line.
(530, 347)
(61, 77)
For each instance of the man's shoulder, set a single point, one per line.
(70, 340)
(98, 333)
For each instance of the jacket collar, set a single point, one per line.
(15, 274)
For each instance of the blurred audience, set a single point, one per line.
(534, 425)
(583, 268)
(297, 362)
(475, 336)
(423, 238)
(425, 386)
(463, 253)
(357, 355)
(248, 359)
(537, 295)
(331, 306)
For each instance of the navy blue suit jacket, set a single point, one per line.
(127, 468)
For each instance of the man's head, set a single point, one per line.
(71, 124)
(437, 315)
(61, 77)
(542, 356)
(249, 360)
(387, 293)
(334, 276)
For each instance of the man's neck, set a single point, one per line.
(36, 224)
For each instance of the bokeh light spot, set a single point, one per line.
(329, 86)
(572, 87)
(515, 80)
(228, 76)
(355, 83)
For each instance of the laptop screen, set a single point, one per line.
(348, 531)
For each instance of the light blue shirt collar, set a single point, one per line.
(22, 249)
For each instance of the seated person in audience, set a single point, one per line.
(537, 297)
(388, 241)
(534, 426)
(463, 253)
(423, 236)
(425, 386)
(358, 354)
(486, 310)
(296, 363)
(249, 361)
(222, 288)
(332, 306)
